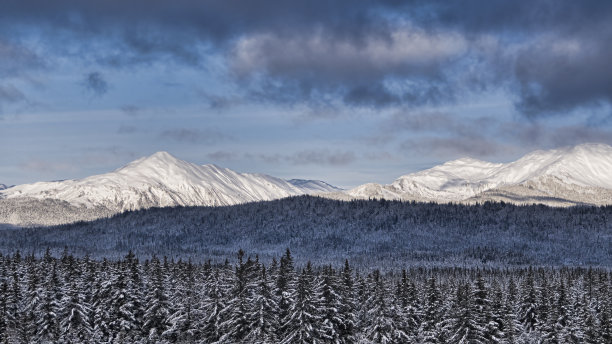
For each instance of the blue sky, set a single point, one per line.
(345, 91)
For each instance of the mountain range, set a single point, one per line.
(162, 180)
(559, 177)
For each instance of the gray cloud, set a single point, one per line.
(551, 55)
(307, 157)
(322, 157)
(222, 156)
(131, 110)
(94, 82)
(10, 94)
(193, 136)
(454, 146)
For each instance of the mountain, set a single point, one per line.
(161, 180)
(565, 176)
(3, 186)
(313, 186)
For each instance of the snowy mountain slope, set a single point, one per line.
(571, 175)
(162, 180)
(313, 186)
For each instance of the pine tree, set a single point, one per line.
(285, 289)
(156, 314)
(48, 327)
(528, 315)
(236, 324)
(428, 331)
(381, 327)
(213, 304)
(347, 311)
(263, 317)
(304, 320)
(74, 322)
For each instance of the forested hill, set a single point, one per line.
(369, 233)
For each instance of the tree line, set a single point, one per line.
(81, 300)
(380, 234)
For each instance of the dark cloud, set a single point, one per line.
(552, 56)
(15, 59)
(193, 136)
(95, 83)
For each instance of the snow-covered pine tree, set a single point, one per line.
(214, 302)
(74, 319)
(285, 289)
(263, 315)
(103, 291)
(381, 327)
(428, 330)
(304, 321)
(182, 327)
(156, 313)
(235, 326)
(347, 311)
(528, 312)
(48, 327)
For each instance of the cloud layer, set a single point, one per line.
(550, 56)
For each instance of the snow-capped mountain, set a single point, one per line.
(162, 180)
(313, 186)
(571, 175)
(3, 186)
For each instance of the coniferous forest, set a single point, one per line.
(79, 300)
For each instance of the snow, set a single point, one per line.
(163, 180)
(581, 168)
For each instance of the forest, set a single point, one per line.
(67, 299)
(372, 234)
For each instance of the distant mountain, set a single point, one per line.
(313, 186)
(161, 180)
(3, 186)
(566, 176)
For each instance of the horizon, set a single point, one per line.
(349, 93)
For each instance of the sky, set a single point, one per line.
(346, 91)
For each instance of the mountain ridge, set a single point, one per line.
(161, 180)
(568, 175)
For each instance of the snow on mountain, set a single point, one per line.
(162, 180)
(3, 186)
(570, 175)
(313, 186)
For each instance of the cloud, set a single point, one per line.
(551, 56)
(94, 82)
(15, 59)
(10, 94)
(222, 156)
(454, 146)
(131, 110)
(321, 157)
(193, 136)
